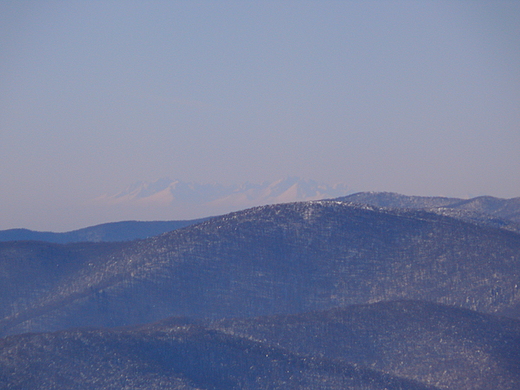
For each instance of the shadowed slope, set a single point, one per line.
(29, 270)
(438, 345)
(406, 345)
(107, 232)
(177, 357)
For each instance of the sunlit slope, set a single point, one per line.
(285, 258)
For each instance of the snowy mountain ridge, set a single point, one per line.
(179, 199)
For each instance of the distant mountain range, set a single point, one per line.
(107, 232)
(372, 291)
(158, 201)
(176, 199)
(285, 190)
(484, 210)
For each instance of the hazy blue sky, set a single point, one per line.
(416, 97)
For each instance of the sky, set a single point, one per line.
(414, 97)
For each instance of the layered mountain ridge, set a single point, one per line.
(177, 355)
(487, 211)
(274, 259)
(318, 294)
(439, 345)
(403, 345)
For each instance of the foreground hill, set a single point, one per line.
(176, 356)
(393, 345)
(107, 232)
(283, 259)
(442, 346)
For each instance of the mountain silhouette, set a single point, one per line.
(106, 232)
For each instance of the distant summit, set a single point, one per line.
(484, 210)
(177, 199)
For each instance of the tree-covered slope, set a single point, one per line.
(438, 345)
(184, 357)
(285, 258)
